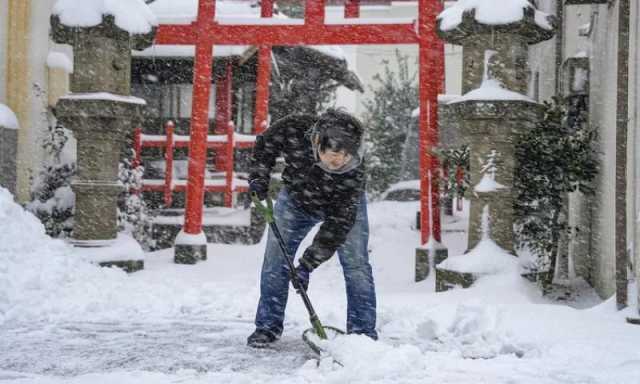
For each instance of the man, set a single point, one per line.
(323, 181)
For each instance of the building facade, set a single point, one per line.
(584, 60)
(25, 79)
(369, 60)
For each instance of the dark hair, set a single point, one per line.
(337, 131)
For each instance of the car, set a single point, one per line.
(408, 190)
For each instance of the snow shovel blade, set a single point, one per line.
(313, 339)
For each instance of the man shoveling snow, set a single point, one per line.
(323, 182)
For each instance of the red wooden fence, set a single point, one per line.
(224, 182)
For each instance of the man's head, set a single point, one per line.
(337, 138)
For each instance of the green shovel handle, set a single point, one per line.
(264, 210)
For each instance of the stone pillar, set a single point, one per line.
(491, 113)
(19, 91)
(100, 112)
(491, 129)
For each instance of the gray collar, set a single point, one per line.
(350, 166)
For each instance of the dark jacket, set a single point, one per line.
(331, 197)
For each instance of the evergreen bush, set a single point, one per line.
(392, 133)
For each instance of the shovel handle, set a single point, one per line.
(317, 326)
(266, 210)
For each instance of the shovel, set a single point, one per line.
(317, 330)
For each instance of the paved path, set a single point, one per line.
(71, 349)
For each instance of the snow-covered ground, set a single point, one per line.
(65, 321)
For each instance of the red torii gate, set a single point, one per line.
(205, 33)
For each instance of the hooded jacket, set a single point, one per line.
(330, 196)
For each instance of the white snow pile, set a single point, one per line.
(486, 258)
(59, 60)
(475, 332)
(490, 13)
(488, 184)
(364, 360)
(491, 89)
(43, 278)
(35, 270)
(133, 16)
(8, 119)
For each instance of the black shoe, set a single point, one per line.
(261, 338)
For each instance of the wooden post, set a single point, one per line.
(351, 9)
(199, 120)
(314, 12)
(459, 181)
(137, 147)
(228, 192)
(266, 8)
(223, 111)
(262, 89)
(261, 114)
(430, 84)
(168, 164)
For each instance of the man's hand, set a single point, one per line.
(303, 276)
(260, 188)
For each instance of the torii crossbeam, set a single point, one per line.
(205, 33)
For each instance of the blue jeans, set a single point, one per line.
(294, 224)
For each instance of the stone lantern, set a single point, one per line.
(101, 112)
(492, 110)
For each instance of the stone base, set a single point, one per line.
(164, 232)
(128, 266)
(446, 279)
(122, 252)
(190, 248)
(633, 320)
(8, 156)
(424, 257)
(189, 253)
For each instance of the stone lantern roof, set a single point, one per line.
(116, 19)
(467, 19)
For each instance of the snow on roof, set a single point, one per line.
(442, 98)
(189, 51)
(251, 20)
(340, 19)
(59, 60)
(227, 11)
(133, 16)
(330, 50)
(489, 12)
(7, 118)
(104, 96)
